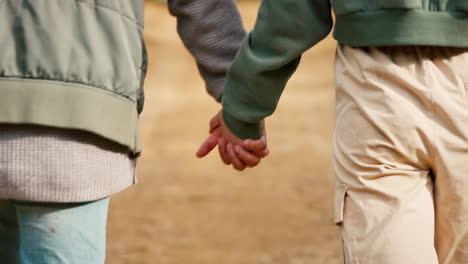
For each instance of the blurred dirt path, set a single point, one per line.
(189, 211)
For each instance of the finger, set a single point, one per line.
(222, 151)
(215, 122)
(258, 147)
(236, 162)
(248, 158)
(224, 157)
(264, 135)
(207, 146)
(264, 153)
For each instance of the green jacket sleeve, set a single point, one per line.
(268, 57)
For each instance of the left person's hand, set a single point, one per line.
(233, 150)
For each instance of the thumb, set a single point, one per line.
(215, 122)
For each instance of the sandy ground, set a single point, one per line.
(189, 211)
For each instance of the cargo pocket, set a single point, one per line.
(340, 195)
(339, 207)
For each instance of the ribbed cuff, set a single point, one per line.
(242, 129)
(403, 27)
(70, 106)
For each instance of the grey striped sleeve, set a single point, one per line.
(212, 30)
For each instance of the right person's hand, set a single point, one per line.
(233, 150)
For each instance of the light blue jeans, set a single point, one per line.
(53, 233)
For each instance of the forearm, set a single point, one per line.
(267, 59)
(213, 32)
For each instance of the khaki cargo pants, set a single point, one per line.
(401, 154)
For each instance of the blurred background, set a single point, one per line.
(190, 211)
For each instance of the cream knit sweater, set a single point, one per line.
(58, 165)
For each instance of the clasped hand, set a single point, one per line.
(233, 150)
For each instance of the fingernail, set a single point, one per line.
(237, 149)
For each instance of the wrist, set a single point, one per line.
(240, 128)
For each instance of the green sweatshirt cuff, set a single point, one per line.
(242, 129)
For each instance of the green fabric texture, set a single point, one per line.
(246, 130)
(70, 106)
(286, 28)
(413, 27)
